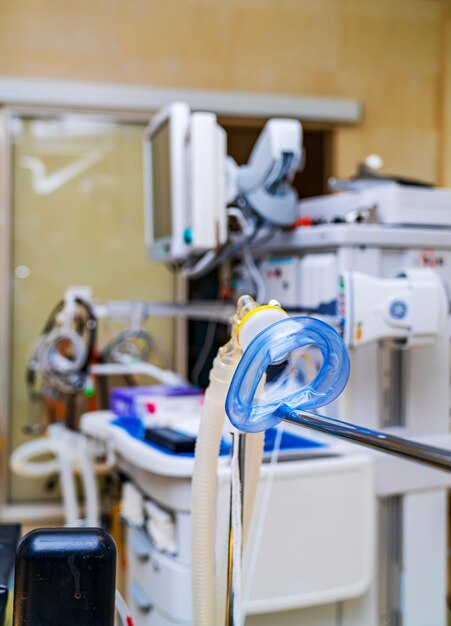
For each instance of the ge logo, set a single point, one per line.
(428, 258)
(398, 309)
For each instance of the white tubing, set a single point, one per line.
(222, 562)
(69, 452)
(208, 576)
(237, 529)
(21, 464)
(73, 456)
(89, 489)
(254, 457)
(148, 369)
(208, 582)
(68, 491)
(203, 505)
(123, 610)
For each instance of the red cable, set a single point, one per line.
(129, 621)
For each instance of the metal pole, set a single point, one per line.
(238, 447)
(438, 458)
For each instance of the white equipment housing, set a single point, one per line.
(208, 182)
(184, 183)
(412, 308)
(321, 562)
(392, 203)
(324, 552)
(392, 285)
(277, 155)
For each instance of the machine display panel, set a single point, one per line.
(161, 182)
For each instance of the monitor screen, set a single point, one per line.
(161, 182)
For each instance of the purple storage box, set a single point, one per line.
(123, 399)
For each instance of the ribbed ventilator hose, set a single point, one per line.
(204, 487)
(254, 457)
(209, 574)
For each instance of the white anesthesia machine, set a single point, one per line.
(399, 349)
(350, 537)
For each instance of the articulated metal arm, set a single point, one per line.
(409, 450)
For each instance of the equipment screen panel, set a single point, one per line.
(161, 182)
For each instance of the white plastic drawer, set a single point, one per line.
(145, 613)
(318, 540)
(166, 582)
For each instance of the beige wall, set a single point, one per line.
(446, 101)
(389, 53)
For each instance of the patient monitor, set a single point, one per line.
(189, 183)
(184, 195)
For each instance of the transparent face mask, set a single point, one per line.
(282, 379)
(297, 363)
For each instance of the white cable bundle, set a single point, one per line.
(237, 532)
(123, 610)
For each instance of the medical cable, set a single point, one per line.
(258, 523)
(123, 610)
(260, 294)
(234, 605)
(213, 259)
(247, 229)
(204, 351)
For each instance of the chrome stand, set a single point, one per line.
(238, 447)
(438, 458)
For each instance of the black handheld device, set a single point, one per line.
(9, 537)
(65, 576)
(171, 439)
